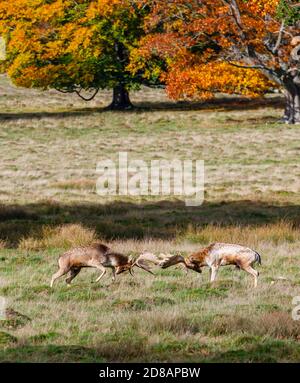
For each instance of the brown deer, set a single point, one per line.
(96, 255)
(216, 255)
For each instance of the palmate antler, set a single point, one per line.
(144, 262)
(171, 260)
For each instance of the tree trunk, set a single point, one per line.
(292, 106)
(121, 100)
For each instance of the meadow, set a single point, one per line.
(50, 144)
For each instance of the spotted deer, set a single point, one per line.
(98, 256)
(216, 255)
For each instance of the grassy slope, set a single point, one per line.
(50, 144)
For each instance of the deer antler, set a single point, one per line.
(171, 260)
(145, 260)
(143, 264)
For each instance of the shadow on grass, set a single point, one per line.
(269, 351)
(125, 220)
(227, 104)
(49, 353)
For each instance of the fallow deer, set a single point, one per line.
(96, 255)
(216, 255)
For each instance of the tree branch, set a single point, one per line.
(87, 98)
(78, 92)
(279, 39)
(246, 66)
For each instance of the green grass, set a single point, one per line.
(50, 145)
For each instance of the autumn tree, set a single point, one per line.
(233, 46)
(73, 46)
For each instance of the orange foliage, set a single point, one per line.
(202, 81)
(193, 47)
(221, 31)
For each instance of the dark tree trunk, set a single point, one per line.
(292, 106)
(292, 96)
(121, 100)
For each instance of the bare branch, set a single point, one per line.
(261, 67)
(279, 39)
(78, 90)
(87, 98)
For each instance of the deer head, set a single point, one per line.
(192, 264)
(171, 260)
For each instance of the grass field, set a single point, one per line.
(50, 145)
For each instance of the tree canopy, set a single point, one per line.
(73, 46)
(232, 46)
(195, 47)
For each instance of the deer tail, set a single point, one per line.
(257, 258)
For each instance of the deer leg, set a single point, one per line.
(113, 274)
(58, 274)
(213, 273)
(103, 269)
(74, 271)
(253, 272)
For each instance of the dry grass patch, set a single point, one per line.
(79, 184)
(61, 237)
(174, 321)
(276, 324)
(252, 236)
